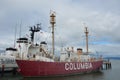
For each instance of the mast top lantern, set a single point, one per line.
(52, 18)
(86, 30)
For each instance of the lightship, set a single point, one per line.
(36, 61)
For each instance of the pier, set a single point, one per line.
(8, 68)
(106, 64)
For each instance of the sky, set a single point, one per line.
(102, 17)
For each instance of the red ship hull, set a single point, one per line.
(40, 68)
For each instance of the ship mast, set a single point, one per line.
(86, 34)
(52, 22)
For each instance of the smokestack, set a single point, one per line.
(79, 51)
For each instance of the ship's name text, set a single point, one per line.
(77, 66)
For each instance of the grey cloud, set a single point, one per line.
(101, 17)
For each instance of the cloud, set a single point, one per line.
(101, 17)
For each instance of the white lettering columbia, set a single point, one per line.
(77, 66)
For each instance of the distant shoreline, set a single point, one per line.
(113, 58)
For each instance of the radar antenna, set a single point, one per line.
(35, 28)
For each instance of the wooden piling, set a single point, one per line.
(2, 70)
(14, 70)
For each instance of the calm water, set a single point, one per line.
(111, 74)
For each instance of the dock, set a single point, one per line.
(5, 68)
(106, 65)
